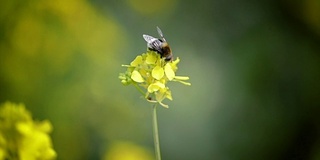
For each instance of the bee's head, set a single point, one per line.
(169, 58)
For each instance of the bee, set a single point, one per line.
(159, 45)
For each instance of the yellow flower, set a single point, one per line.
(21, 137)
(150, 74)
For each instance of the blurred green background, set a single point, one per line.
(254, 68)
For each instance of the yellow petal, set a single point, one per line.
(168, 95)
(183, 78)
(175, 62)
(157, 72)
(136, 76)
(155, 87)
(138, 60)
(151, 59)
(169, 72)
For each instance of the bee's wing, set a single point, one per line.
(153, 43)
(160, 34)
(148, 38)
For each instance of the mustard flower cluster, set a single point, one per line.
(149, 73)
(21, 138)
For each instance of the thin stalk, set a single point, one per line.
(155, 132)
(139, 89)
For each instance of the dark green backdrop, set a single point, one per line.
(254, 68)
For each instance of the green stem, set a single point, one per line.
(139, 89)
(155, 132)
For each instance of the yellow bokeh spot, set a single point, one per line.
(2, 153)
(27, 35)
(20, 135)
(127, 151)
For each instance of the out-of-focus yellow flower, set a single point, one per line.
(151, 73)
(127, 151)
(21, 137)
